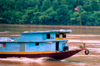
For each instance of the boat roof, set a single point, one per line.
(49, 31)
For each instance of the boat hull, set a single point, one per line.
(57, 55)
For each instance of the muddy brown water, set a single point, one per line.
(89, 35)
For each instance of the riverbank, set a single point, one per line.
(62, 26)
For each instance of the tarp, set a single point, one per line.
(6, 39)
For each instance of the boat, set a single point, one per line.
(35, 44)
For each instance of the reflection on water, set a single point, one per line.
(90, 35)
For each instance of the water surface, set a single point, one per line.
(88, 35)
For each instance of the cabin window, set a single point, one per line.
(64, 35)
(37, 44)
(57, 35)
(61, 35)
(48, 36)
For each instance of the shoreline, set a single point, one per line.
(64, 26)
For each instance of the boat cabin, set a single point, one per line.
(37, 41)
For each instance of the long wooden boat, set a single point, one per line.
(36, 44)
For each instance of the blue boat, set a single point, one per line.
(34, 44)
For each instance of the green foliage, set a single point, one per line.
(50, 12)
(55, 5)
(45, 5)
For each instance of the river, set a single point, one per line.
(84, 34)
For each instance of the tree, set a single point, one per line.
(46, 17)
(45, 5)
(36, 18)
(74, 18)
(50, 12)
(95, 5)
(55, 5)
(63, 15)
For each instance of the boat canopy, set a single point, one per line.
(50, 31)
